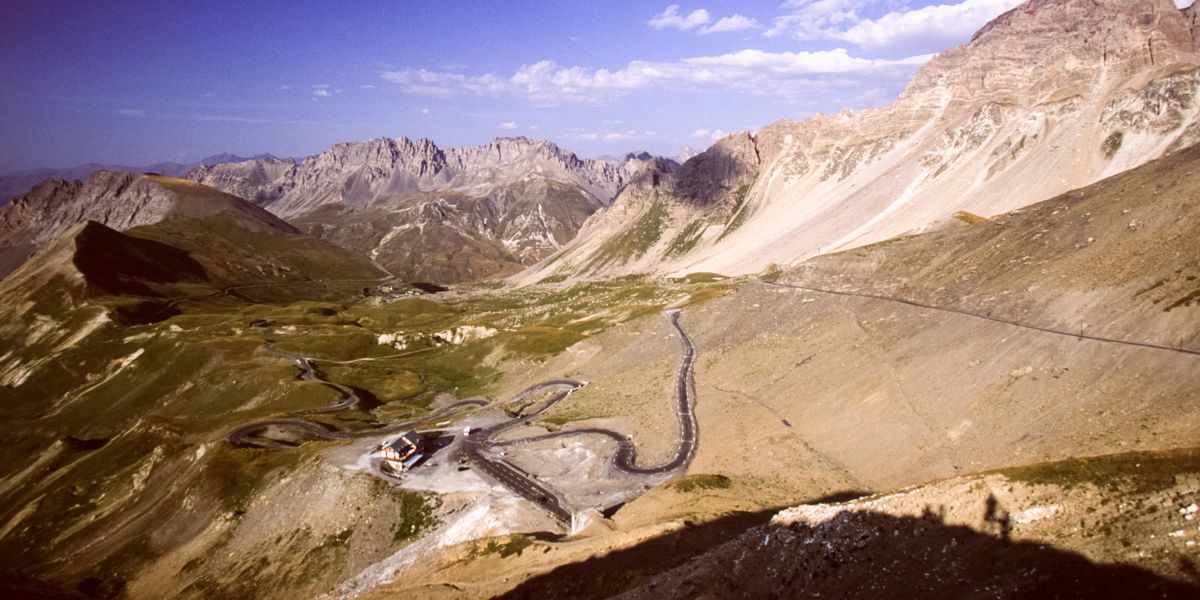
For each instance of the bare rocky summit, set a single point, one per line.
(1051, 96)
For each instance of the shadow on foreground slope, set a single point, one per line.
(853, 555)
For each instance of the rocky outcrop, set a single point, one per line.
(1050, 96)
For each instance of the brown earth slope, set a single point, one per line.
(804, 394)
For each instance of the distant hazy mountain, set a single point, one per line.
(1051, 96)
(15, 184)
(428, 213)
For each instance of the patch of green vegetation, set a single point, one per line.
(1139, 472)
(540, 340)
(705, 294)
(416, 517)
(558, 417)
(409, 313)
(636, 239)
(415, 510)
(559, 278)
(514, 546)
(969, 218)
(740, 211)
(384, 380)
(772, 273)
(701, 277)
(692, 483)
(687, 238)
(1112, 143)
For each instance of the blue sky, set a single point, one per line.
(135, 82)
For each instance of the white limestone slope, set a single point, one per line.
(1049, 97)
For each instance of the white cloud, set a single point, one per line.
(368, 86)
(927, 29)
(934, 26)
(321, 93)
(131, 112)
(699, 19)
(816, 19)
(510, 125)
(730, 24)
(426, 111)
(284, 88)
(712, 136)
(534, 128)
(784, 74)
(673, 19)
(612, 136)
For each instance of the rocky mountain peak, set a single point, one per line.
(1077, 44)
(730, 161)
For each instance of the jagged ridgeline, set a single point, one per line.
(431, 214)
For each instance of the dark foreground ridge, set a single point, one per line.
(858, 555)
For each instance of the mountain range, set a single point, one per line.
(427, 213)
(942, 348)
(421, 212)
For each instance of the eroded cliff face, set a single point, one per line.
(1051, 96)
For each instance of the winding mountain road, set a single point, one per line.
(477, 443)
(625, 458)
(244, 436)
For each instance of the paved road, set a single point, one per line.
(244, 436)
(505, 473)
(308, 372)
(958, 311)
(625, 459)
(478, 442)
